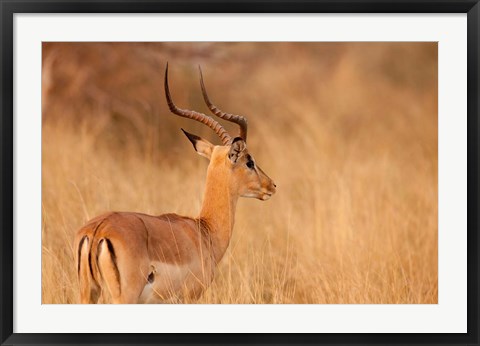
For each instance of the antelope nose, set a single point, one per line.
(274, 185)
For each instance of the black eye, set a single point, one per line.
(250, 164)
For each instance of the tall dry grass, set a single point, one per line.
(348, 131)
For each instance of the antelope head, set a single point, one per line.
(231, 161)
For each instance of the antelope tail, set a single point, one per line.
(107, 265)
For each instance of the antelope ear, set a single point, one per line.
(202, 146)
(237, 149)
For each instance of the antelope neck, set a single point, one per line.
(218, 210)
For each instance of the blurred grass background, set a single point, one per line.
(348, 131)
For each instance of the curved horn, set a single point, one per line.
(238, 119)
(200, 117)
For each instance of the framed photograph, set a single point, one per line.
(136, 210)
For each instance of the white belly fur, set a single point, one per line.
(174, 282)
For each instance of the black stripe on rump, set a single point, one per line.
(90, 263)
(91, 245)
(114, 260)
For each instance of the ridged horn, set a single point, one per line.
(200, 117)
(238, 119)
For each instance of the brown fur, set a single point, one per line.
(135, 257)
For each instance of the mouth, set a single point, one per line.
(266, 196)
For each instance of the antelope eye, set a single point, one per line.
(250, 164)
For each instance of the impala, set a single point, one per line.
(139, 258)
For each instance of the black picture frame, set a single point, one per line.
(9, 8)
